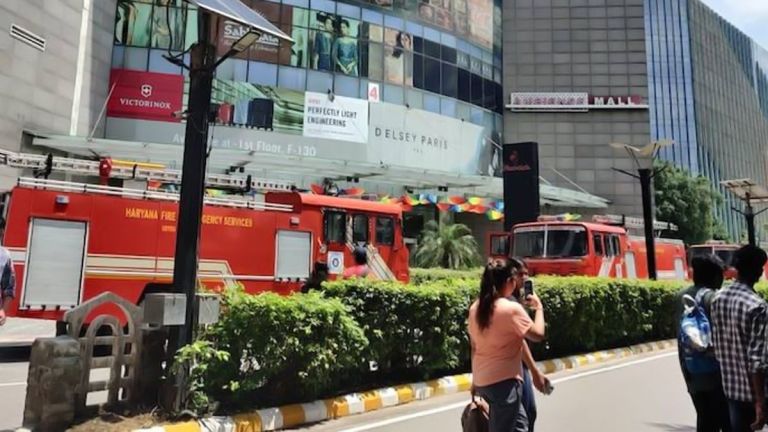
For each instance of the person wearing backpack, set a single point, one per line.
(698, 363)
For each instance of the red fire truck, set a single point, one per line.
(70, 242)
(603, 248)
(722, 249)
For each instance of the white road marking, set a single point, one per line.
(13, 384)
(462, 404)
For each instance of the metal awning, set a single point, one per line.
(267, 165)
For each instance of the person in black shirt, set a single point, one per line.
(706, 389)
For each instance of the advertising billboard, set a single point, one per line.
(335, 117)
(145, 95)
(520, 168)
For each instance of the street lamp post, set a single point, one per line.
(202, 67)
(645, 173)
(751, 193)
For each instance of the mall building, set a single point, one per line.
(580, 74)
(398, 98)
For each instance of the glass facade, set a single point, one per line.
(708, 90)
(442, 56)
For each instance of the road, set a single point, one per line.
(641, 394)
(637, 395)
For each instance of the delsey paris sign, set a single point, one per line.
(572, 102)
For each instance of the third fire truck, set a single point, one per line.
(603, 248)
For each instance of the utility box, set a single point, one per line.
(165, 309)
(169, 309)
(208, 306)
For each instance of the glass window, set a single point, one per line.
(319, 81)
(299, 50)
(372, 32)
(432, 75)
(373, 17)
(476, 85)
(240, 69)
(616, 244)
(450, 80)
(393, 94)
(163, 35)
(463, 86)
(432, 49)
(324, 5)
(136, 58)
(344, 51)
(394, 60)
(159, 64)
(414, 99)
(500, 245)
(432, 103)
(448, 40)
(348, 10)
(334, 229)
(346, 86)
(385, 231)
(431, 34)
(190, 36)
(266, 74)
(360, 228)
(418, 44)
(566, 243)
(418, 71)
(132, 23)
(597, 241)
(448, 107)
(489, 95)
(529, 244)
(394, 22)
(302, 3)
(118, 57)
(449, 54)
(291, 78)
(375, 61)
(414, 29)
(295, 16)
(462, 60)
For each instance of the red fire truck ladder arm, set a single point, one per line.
(44, 165)
(633, 222)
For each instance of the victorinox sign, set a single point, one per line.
(145, 95)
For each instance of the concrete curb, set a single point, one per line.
(271, 419)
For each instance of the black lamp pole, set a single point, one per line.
(645, 175)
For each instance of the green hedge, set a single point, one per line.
(281, 348)
(303, 347)
(420, 276)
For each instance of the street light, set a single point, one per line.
(751, 193)
(644, 158)
(201, 71)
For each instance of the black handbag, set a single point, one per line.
(475, 416)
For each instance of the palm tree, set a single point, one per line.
(448, 245)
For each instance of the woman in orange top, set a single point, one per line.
(497, 330)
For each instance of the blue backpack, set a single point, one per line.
(696, 336)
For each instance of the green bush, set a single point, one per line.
(421, 276)
(281, 348)
(302, 347)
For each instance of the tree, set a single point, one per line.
(448, 245)
(688, 202)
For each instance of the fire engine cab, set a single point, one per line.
(557, 246)
(71, 241)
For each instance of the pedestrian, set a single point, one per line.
(360, 269)
(532, 375)
(739, 324)
(497, 329)
(704, 386)
(7, 277)
(316, 279)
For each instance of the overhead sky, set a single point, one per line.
(750, 16)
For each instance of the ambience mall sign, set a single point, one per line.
(571, 102)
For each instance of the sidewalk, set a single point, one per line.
(21, 332)
(271, 419)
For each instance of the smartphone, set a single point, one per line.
(527, 288)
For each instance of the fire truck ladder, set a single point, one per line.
(634, 222)
(44, 165)
(380, 269)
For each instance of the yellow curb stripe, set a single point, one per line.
(183, 427)
(436, 388)
(463, 382)
(250, 422)
(404, 394)
(293, 415)
(338, 407)
(371, 401)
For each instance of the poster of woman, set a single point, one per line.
(322, 41)
(344, 50)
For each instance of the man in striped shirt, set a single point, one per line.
(739, 317)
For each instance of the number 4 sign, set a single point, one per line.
(374, 94)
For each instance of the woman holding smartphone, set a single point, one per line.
(498, 328)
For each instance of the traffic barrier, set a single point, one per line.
(271, 419)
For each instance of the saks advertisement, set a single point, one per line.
(421, 139)
(335, 117)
